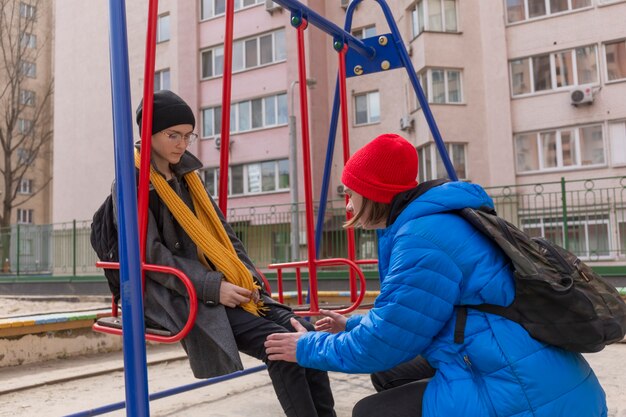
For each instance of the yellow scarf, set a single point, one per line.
(205, 230)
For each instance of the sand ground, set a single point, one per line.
(52, 388)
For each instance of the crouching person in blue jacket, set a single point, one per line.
(431, 260)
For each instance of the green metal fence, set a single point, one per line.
(586, 216)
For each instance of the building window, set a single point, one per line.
(25, 156)
(28, 69)
(212, 8)
(572, 147)
(27, 97)
(163, 28)
(24, 126)
(28, 40)
(25, 187)
(442, 86)
(519, 10)
(25, 216)
(617, 137)
(434, 16)
(367, 108)
(553, 71)
(255, 178)
(364, 32)
(162, 80)
(247, 54)
(247, 115)
(615, 55)
(28, 11)
(587, 233)
(431, 165)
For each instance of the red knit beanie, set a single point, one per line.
(381, 169)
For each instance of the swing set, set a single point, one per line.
(356, 58)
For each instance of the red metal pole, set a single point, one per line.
(146, 130)
(226, 88)
(306, 156)
(279, 283)
(299, 285)
(346, 155)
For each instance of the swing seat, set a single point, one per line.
(313, 309)
(116, 323)
(113, 324)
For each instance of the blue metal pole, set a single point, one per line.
(330, 149)
(327, 26)
(406, 61)
(136, 374)
(166, 393)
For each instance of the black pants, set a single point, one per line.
(302, 392)
(400, 391)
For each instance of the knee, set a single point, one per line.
(377, 383)
(363, 408)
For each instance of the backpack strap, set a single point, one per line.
(459, 327)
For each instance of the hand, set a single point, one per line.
(332, 322)
(232, 295)
(282, 346)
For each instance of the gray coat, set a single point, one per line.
(210, 345)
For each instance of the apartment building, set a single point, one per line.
(523, 91)
(26, 105)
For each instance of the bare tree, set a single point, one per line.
(25, 106)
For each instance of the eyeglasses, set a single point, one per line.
(177, 137)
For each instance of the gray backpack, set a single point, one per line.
(559, 300)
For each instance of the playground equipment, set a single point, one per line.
(379, 53)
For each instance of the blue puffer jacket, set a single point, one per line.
(429, 261)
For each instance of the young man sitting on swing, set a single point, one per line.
(187, 231)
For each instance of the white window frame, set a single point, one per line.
(360, 33)
(25, 156)
(606, 64)
(553, 75)
(27, 10)
(24, 126)
(28, 40)
(27, 97)
(163, 34)
(214, 49)
(617, 142)
(414, 11)
(159, 80)
(548, 13)
(28, 69)
(235, 113)
(577, 220)
(559, 149)
(246, 185)
(25, 186)
(25, 216)
(428, 88)
(238, 6)
(431, 148)
(369, 111)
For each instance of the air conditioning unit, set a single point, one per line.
(581, 95)
(272, 7)
(406, 122)
(345, 3)
(218, 142)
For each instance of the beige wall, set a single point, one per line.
(40, 170)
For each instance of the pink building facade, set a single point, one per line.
(499, 76)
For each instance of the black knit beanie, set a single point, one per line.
(168, 110)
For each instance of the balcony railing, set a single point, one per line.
(586, 216)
